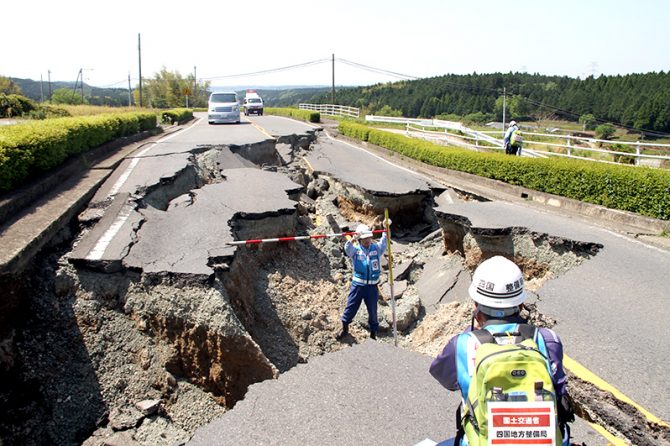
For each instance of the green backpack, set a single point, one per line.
(516, 139)
(513, 371)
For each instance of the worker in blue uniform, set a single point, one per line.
(366, 258)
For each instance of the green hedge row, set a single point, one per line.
(28, 149)
(642, 190)
(176, 115)
(303, 115)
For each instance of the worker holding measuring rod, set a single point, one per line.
(366, 258)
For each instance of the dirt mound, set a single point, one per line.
(434, 331)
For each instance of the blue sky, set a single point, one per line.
(417, 38)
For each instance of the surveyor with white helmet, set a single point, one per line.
(498, 293)
(512, 140)
(366, 258)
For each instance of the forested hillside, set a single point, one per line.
(114, 97)
(636, 100)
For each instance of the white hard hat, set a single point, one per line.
(497, 283)
(511, 123)
(363, 231)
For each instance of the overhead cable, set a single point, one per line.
(271, 70)
(377, 70)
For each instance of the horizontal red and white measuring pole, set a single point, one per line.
(299, 237)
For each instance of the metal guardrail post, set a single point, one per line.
(637, 153)
(569, 148)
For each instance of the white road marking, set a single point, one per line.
(136, 159)
(103, 242)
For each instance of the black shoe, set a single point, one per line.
(343, 332)
(373, 335)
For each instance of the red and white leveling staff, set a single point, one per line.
(341, 234)
(299, 237)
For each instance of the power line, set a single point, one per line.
(377, 70)
(401, 76)
(271, 70)
(116, 83)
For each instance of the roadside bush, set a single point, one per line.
(478, 118)
(642, 190)
(387, 110)
(47, 111)
(29, 149)
(176, 116)
(605, 131)
(450, 117)
(303, 115)
(588, 121)
(12, 105)
(623, 159)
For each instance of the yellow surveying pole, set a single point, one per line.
(388, 246)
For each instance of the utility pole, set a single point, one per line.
(195, 86)
(82, 82)
(332, 94)
(81, 72)
(74, 89)
(49, 74)
(130, 95)
(41, 89)
(139, 53)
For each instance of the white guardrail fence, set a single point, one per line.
(332, 109)
(457, 134)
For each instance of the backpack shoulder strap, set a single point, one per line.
(527, 332)
(483, 336)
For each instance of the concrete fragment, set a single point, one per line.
(120, 439)
(148, 407)
(170, 380)
(124, 418)
(401, 270)
(399, 288)
(407, 312)
(439, 275)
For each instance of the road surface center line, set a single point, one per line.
(585, 374)
(260, 129)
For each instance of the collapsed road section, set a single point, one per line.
(164, 326)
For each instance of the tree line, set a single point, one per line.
(166, 89)
(641, 101)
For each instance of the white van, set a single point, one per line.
(253, 103)
(223, 107)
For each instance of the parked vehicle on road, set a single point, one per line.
(223, 107)
(253, 103)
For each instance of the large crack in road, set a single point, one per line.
(188, 333)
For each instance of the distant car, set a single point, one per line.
(223, 107)
(253, 104)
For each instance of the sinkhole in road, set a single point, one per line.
(196, 343)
